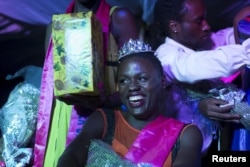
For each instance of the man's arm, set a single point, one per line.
(193, 66)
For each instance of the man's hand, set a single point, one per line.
(85, 104)
(210, 107)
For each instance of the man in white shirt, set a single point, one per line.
(183, 54)
(191, 53)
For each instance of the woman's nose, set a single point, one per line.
(134, 85)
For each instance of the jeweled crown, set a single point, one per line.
(133, 46)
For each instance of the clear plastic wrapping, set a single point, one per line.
(188, 96)
(18, 119)
(235, 97)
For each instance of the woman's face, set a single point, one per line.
(140, 86)
(193, 29)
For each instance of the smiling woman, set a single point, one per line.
(139, 77)
(111, 137)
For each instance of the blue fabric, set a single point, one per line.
(243, 29)
(123, 107)
(241, 136)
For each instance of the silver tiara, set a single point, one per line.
(133, 46)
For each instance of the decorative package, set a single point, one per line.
(77, 53)
(235, 97)
(102, 154)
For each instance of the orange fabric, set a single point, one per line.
(125, 135)
(168, 162)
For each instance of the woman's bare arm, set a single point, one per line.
(189, 153)
(76, 153)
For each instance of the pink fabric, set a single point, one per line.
(71, 6)
(44, 111)
(155, 141)
(230, 78)
(76, 124)
(103, 16)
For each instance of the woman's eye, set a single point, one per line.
(143, 79)
(123, 81)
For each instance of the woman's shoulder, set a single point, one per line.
(191, 129)
(191, 136)
(95, 123)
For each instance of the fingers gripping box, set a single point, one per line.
(77, 53)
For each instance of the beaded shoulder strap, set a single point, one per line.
(110, 131)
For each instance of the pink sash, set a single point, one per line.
(75, 127)
(44, 111)
(155, 141)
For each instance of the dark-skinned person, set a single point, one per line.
(61, 118)
(140, 135)
(195, 59)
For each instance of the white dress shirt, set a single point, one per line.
(186, 65)
(224, 58)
